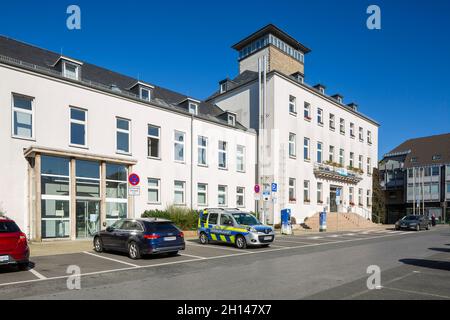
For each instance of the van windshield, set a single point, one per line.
(245, 219)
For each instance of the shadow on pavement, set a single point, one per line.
(440, 249)
(431, 264)
(15, 268)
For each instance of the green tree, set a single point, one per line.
(378, 203)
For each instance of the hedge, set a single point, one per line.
(182, 217)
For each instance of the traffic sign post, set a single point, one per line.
(134, 190)
(134, 179)
(274, 187)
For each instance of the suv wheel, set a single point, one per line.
(428, 226)
(240, 242)
(203, 238)
(98, 244)
(418, 227)
(133, 251)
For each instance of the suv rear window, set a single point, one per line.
(8, 227)
(161, 227)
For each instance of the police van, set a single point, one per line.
(233, 226)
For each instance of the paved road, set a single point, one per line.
(414, 265)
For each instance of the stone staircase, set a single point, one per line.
(339, 222)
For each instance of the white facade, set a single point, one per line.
(52, 99)
(280, 166)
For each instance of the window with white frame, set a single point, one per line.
(240, 158)
(369, 166)
(369, 137)
(351, 199)
(292, 190)
(352, 156)
(292, 105)
(193, 108)
(332, 124)
(202, 149)
(306, 155)
(360, 196)
(307, 111)
(369, 198)
(179, 140)
(154, 186)
(361, 134)
(292, 145)
(352, 129)
(202, 194)
(319, 192)
(342, 126)
(331, 154)
(71, 71)
(222, 196)
(240, 197)
(78, 124)
(306, 191)
(223, 161)
(123, 135)
(360, 162)
(341, 157)
(179, 192)
(145, 94)
(153, 141)
(232, 120)
(320, 116)
(22, 116)
(319, 152)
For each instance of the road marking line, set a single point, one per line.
(334, 236)
(37, 274)
(349, 234)
(213, 247)
(315, 238)
(190, 255)
(111, 259)
(193, 260)
(277, 246)
(418, 292)
(293, 241)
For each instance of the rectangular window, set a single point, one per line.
(320, 116)
(222, 196)
(179, 146)
(144, 94)
(352, 156)
(292, 105)
(332, 126)
(360, 162)
(232, 120)
(361, 134)
(202, 149)
(154, 186)
(331, 154)
(116, 192)
(369, 166)
(369, 198)
(342, 126)
(193, 108)
(306, 149)
(319, 192)
(292, 190)
(240, 158)
(435, 171)
(341, 157)
(223, 155)
(71, 71)
(319, 152)
(360, 197)
(202, 194)
(23, 114)
(307, 111)
(369, 137)
(123, 135)
(153, 141)
(306, 191)
(78, 123)
(351, 199)
(292, 145)
(240, 197)
(352, 130)
(179, 195)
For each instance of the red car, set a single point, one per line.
(13, 244)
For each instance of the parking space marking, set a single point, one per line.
(418, 292)
(304, 242)
(37, 274)
(191, 256)
(277, 246)
(111, 259)
(136, 267)
(214, 246)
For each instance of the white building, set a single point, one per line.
(315, 146)
(71, 133)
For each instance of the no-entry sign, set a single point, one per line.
(134, 179)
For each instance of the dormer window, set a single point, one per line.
(144, 94)
(193, 108)
(436, 157)
(71, 70)
(232, 120)
(223, 87)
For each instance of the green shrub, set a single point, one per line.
(182, 217)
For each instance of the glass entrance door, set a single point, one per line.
(87, 218)
(333, 205)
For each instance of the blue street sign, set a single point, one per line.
(274, 187)
(338, 192)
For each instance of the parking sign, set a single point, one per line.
(274, 187)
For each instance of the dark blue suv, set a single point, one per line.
(139, 237)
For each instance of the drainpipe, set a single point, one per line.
(192, 162)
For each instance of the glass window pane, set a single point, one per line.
(179, 152)
(23, 103)
(116, 190)
(87, 169)
(88, 188)
(57, 209)
(77, 114)
(116, 172)
(54, 166)
(116, 210)
(57, 186)
(153, 195)
(23, 124)
(153, 147)
(77, 134)
(122, 142)
(153, 131)
(123, 124)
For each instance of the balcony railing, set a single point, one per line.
(332, 172)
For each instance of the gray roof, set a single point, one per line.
(45, 61)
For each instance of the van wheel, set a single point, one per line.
(428, 227)
(133, 250)
(418, 227)
(203, 238)
(98, 244)
(240, 242)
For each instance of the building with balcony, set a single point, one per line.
(319, 150)
(415, 177)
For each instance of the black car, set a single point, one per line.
(139, 237)
(413, 222)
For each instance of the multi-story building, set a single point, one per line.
(415, 177)
(319, 150)
(71, 133)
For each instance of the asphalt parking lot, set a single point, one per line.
(46, 268)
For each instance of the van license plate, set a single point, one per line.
(267, 238)
(170, 238)
(4, 258)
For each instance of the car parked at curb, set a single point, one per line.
(139, 237)
(233, 226)
(413, 222)
(14, 248)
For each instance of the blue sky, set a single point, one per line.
(398, 75)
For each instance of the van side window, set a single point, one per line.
(213, 218)
(225, 220)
